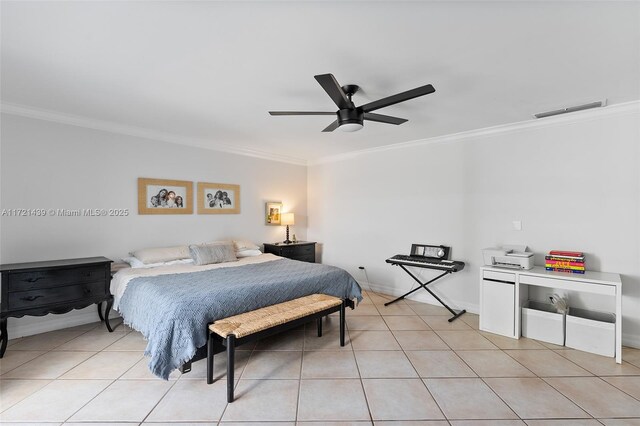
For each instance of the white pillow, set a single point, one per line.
(161, 254)
(137, 263)
(248, 253)
(241, 245)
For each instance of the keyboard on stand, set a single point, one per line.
(431, 257)
(427, 262)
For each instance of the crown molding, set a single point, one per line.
(621, 109)
(141, 132)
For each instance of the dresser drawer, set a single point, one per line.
(34, 298)
(306, 250)
(23, 281)
(305, 258)
(289, 251)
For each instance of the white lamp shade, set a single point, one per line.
(287, 219)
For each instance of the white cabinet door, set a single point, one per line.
(497, 313)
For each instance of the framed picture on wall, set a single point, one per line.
(273, 213)
(163, 196)
(218, 198)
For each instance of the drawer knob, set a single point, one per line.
(30, 298)
(34, 279)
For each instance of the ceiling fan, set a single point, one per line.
(349, 117)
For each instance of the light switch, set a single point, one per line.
(517, 225)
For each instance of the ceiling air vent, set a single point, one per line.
(590, 105)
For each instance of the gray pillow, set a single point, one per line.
(205, 254)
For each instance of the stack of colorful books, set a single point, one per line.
(565, 261)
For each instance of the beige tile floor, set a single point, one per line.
(403, 365)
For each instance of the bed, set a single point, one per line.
(172, 305)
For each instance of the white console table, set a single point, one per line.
(504, 291)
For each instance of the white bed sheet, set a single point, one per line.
(121, 279)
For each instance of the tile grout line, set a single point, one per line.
(304, 341)
(621, 390)
(85, 404)
(20, 365)
(491, 389)
(353, 351)
(27, 396)
(235, 385)
(560, 351)
(519, 363)
(111, 384)
(575, 402)
(477, 375)
(536, 376)
(355, 360)
(58, 377)
(416, 370)
(159, 401)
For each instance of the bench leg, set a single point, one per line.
(231, 349)
(210, 354)
(319, 324)
(342, 320)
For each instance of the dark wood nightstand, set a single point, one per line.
(56, 286)
(304, 251)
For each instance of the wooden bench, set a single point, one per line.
(236, 330)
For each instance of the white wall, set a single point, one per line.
(574, 184)
(48, 165)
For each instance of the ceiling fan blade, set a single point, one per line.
(301, 113)
(384, 118)
(333, 89)
(400, 97)
(331, 127)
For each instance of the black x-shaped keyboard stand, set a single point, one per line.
(424, 286)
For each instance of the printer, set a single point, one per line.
(508, 256)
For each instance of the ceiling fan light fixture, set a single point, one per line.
(350, 120)
(351, 127)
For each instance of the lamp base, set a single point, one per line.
(287, 241)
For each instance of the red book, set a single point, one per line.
(566, 253)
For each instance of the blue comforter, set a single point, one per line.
(172, 311)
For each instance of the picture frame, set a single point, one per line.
(165, 196)
(273, 213)
(218, 198)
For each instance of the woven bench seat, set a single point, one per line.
(238, 329)
(262, 319)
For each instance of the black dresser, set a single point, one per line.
(304, 251)
(56, 286)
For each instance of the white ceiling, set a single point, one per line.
(208, 72)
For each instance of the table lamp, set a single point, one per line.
(287, 219)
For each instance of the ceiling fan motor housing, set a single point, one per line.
(350, 116)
